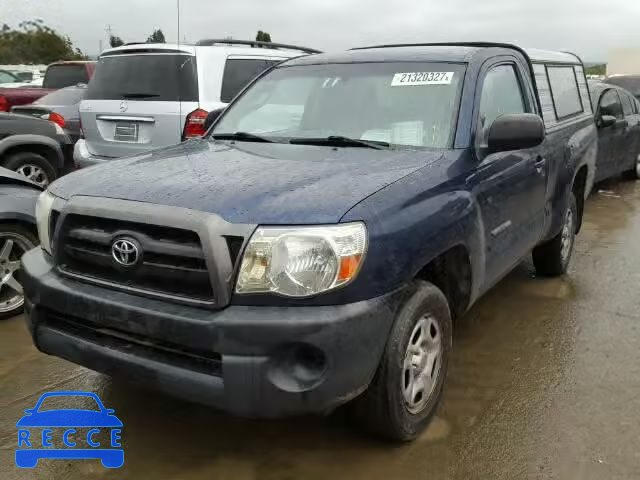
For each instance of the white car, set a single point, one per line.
(146, 96)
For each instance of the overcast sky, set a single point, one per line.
(590, 28)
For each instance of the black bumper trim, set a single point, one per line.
(157, 343)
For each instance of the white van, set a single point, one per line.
(146, 96)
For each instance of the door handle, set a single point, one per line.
(539, 164)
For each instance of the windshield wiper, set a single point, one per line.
(242, 136)
(340, 141)
(139, 95)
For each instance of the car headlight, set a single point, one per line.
(302, 261)
(43, 215)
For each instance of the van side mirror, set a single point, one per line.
(212, 117)
(515, 132)
(606, 121)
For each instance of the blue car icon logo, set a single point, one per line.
(36, 431)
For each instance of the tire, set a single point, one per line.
(633, 173)
(383, 408)
(22, 240)
(33, 166)
(552, 258)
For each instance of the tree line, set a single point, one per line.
(35, 43)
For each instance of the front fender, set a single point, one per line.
(18, 204)
(407, 234)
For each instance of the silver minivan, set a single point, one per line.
(146, 96)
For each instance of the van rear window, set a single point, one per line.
(150, 77)
(65, 75)
(564, 90)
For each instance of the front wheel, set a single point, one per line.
(407, 388)
(552, 258)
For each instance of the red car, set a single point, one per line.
(58, 75)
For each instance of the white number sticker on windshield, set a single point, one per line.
(421, 78)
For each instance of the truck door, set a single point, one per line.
(510, 186)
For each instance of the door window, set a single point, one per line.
(610, 105)
(501, 94)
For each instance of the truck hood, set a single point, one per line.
(249, 182)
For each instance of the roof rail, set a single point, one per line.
(254, 44)
(445, 44)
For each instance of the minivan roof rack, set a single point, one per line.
(254, 44)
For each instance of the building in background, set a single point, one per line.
(624, 61)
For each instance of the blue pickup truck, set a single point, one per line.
(313, 249)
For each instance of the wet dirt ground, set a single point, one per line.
(544, 383)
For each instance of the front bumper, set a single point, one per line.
(252, 361)
(82, 157)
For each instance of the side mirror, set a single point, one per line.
(212, 117)
(515, 132)
(606, 121)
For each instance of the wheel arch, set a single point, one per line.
(44, 146)
(452, 272)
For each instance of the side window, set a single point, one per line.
(238, 72)
(610, 104)
(627, 104)
(501, 94)
(564, 90)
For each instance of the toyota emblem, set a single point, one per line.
(126, 252)
(124, 106)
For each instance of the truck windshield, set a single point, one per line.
(402, 104)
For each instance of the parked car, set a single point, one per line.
(630, 83)
(617, 114)
(146, 96)
(36, 148)
(314, 248)
(9, 79)
(61, 107)
(18, 235)
(58, 75)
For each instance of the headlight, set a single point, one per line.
(43, 214)
(302, 261)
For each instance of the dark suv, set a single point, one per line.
(313, 249)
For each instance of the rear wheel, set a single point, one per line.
(14, 242)
(634, 173)
(408, 385)
(552, 258)
(33, 166)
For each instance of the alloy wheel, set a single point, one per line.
(35, 174)
(12, 247)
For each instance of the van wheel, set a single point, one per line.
(634, 173)
(33, 166)
(407, 388)
(552, 258)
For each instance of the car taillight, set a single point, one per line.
(194, 124)
(55, 118)
(4, 104)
